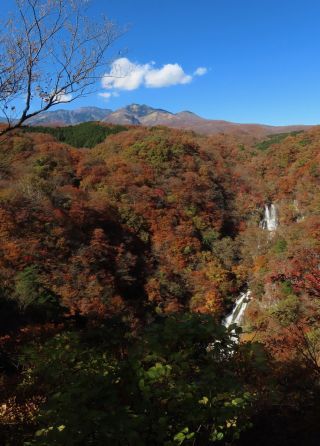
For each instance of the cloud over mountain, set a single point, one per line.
(127, 75)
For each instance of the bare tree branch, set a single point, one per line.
(50, 53)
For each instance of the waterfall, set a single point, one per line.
(270, 220)
(236, 315)
(270, 223)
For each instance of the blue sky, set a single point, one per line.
(262, 57)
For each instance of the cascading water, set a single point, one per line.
(270, 220)
(236, 315)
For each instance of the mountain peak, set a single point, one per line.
(142, 109)
(188, 114)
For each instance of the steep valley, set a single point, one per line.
(121, 260)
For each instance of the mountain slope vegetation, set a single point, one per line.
(86, 134)
(118, 262)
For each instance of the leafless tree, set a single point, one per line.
(50, 53)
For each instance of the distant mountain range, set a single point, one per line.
(70, 117)
(136, 114)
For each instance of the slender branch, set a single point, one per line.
(46, 34)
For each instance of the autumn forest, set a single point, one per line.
(120, 258)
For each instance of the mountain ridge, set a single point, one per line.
(70, 117)
(145, 115)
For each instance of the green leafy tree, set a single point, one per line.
(31, 295)
(178, 382)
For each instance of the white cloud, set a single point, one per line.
(200, 71)
(169, 74)
(59, 97)
(63, 97)
(127, 75)
(105, 95)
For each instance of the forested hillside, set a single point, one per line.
(122, 250)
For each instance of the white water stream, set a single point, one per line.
(236, 315)
(270, 219)
(270, 222)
